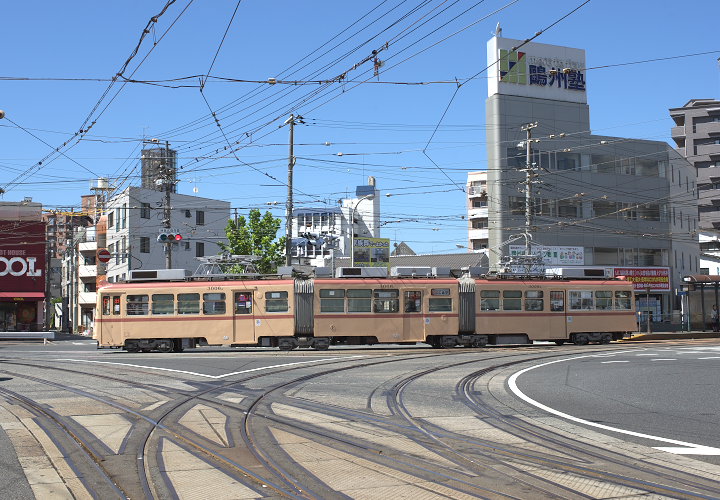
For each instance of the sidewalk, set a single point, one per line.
(695, 334)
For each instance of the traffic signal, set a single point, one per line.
(169, 237)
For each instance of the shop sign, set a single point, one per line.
(644, 278)
(554, 255)
(372, 252)
(22, 256)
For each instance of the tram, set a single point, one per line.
(152, 313)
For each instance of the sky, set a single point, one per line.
(411, 125)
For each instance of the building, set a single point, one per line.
(697, 136)
(477, 207)
(23, 272)
(624, 204)
(319, 234)
(135, 220)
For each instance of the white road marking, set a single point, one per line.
(711, 357)
(683, 448)
(647, 354)
(616, 361)
(203, 374)
(664, 359)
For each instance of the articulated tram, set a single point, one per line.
(319, 312)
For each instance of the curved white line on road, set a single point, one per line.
(203, 374)
(683, 448)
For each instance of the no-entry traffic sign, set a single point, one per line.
(103, 255)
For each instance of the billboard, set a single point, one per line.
(22, 256)
(554, 255)
(642, 278)
(372, 252)
(536, 70)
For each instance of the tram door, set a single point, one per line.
(243, 317)
(558, 315)
(413, 327)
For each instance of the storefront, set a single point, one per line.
(22, 275)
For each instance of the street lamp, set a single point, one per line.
(352, 226)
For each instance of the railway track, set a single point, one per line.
(335, 429)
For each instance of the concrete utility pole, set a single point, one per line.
(529, 175)
(289, 204)
(167, 209)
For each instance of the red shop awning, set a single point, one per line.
(22, 295)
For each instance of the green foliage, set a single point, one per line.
(256, 236)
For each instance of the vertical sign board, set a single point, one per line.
(372, 252)
(642, 278)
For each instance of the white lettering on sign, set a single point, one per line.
(26, 267)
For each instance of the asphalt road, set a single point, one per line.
(597, 421)
(667, 392)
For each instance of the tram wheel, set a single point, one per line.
(559, 342)
(606, 338)
(165, 346)
(581, 339)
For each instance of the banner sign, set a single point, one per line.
(22, 256)
(642, 278)
(554, 255)
(372, 252)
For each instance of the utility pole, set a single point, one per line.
(529, 175)
(289, 204)
(167, 209)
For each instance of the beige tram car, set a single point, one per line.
(288, 313)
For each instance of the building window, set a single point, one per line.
(144, 244)
(479, 203)
(200, 218)
(188, 214)
(568, 161)
(111, 220)
(144, 210)
(123, 252)
(480, 224)
(124, 216)
(199, 249)
(568, 208)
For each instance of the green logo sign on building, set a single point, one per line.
(513, 67)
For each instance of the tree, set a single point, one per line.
(256, 235)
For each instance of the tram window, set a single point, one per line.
(163, 303)
(243, 303)
(116, 304)
(557, 301)
(188, 303)
(137, 305)
(512, 300)
(106, 305)
(413, 301)
(276, 302)
(534, 300)
(213, 303)
(623, 299)
(489, 300)
(359, 300)
(581, 300)
(332, 301)
(438, 304)
(603, 299)
(386, 301)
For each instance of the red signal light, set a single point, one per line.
(178, 237)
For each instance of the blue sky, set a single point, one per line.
(380, 128)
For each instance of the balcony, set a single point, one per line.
(87, 298)
(475, 191)
(708, 149)
(710, 128)
(87, 246)
(677, 132)
(87, 271)
(478, 213)
(478, 234)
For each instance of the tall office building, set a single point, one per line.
(625, 206)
